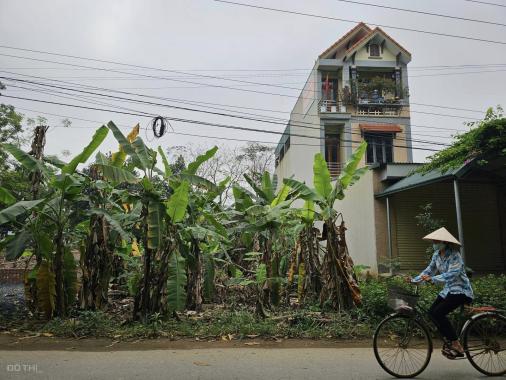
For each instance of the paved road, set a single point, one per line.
(228, 363)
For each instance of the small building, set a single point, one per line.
(471, 200)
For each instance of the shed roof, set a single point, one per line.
(494, 168)
(417, 180)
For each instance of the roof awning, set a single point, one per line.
(391, 128)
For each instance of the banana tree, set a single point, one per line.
(265, 212)
(205, 236)
(339, 288)
(48, 224)
(110, 221)
(163, 282)
(305, 261)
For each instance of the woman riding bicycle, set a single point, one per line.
(457, 289)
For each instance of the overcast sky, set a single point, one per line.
(217, 39)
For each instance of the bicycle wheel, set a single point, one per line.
(402, 346)
(484, 341)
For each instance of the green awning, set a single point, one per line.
(417, 180)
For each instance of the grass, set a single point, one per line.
(215, 324)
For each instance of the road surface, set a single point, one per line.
(214, 363)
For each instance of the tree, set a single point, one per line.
(487, 138)
(340, 288)
(230, 162)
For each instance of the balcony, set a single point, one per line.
(334, 169)
(379, 106)
(331, 106)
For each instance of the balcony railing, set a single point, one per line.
(372, 106)
(334, 169)
(331, 106)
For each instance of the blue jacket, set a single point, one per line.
(452, 273)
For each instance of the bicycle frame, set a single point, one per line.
(421, 315)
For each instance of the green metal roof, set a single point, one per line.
(417, 180)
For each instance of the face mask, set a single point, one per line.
(438, 246)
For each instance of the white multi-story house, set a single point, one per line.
(358, 90)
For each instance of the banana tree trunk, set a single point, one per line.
(96, 265)
(60, 304)
(195, 279)
(340, 288)
(142, 298)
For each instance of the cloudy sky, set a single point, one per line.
(200, 38)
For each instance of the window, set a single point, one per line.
(379, 147)
(374, 50)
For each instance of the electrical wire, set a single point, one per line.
(356, 22)
(486, 3)
(199, 122)
(421, 12)
(362, 119)
(295, 124)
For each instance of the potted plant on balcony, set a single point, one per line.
(376, 88)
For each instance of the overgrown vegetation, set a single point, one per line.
(160, 232)
(486, 139)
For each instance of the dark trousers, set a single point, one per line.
(441, 308)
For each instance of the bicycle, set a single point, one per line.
(403, 342)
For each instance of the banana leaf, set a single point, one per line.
(16, 245)
(10, 213)
(267, 186)
(166, 166)
(302, 191)
(155, 224)
(113, 223)
(281, 197)
(55, 161)
(258, 190)
(26, 160)
(321, 176)
(349, 170)
(194, 166)
(118, 158)
(143, 154)
(112, 172)
(6, 197)
(307, 211)
(81, 158)
(178, 202)
(124, 144)
(176, 283)
(243, 198)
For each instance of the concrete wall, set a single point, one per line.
(357, 208)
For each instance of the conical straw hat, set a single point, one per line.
(442, 235)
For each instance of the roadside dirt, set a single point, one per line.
(40, 343)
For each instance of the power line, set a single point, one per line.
(356, 22)
(247, 113)
(199, 122)
(151, 76)
(422, 12)
(140, 66)
(279, 71)
(294, 124)
(486, 3)
(248, 90)
(170, 132)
